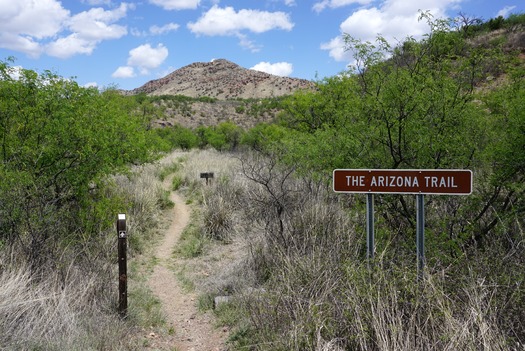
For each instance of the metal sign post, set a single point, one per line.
(402, 181)
(370, 226)
(420, 235)
(122, 266)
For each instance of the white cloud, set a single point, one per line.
(91, 85)
(176, 4)
(24, 22)
(248, 44)
(320, 6)
(70, 46)
(97, 23)
(19, 43)
(504, 12)
(226, 21)
(394, 19)
(164, 29)
(96, 2)
(124, 72)
(283, 69)
(35, 27)
(89, 28)
(336, 49)
(145, 57)
(37, 19)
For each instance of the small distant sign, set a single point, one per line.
(207, 175)
(403, 181)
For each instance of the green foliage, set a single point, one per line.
(515, 19)
(413, 106)
(496, 23)
(263, 136)
(166, 171)
(176, 137)
(145, 309)
(165, 201)
(421, 105)
(176, 183)
(58, 141)
(476, 27)
(224, 136)
(192, 242)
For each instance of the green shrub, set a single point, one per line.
(176, 183)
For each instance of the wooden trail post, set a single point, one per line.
(122, 266)
(418, 182)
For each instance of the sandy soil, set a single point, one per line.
(193, 330)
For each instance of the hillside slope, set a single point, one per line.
(223, 80)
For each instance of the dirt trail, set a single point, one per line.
(194, 330)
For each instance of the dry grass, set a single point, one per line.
(302, 278)
(57, 314)
(73, 306)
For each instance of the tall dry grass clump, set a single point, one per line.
(304, 282)
(71, 304)
(221, 197)
(58, 313)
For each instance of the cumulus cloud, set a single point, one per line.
(227, 21)
(124, 72)
(36, 19)
(142, 58)
(70, 46)
(394, 19)
(89, 28)
(320, 6)
(176, 4)
(146, 57)
(336, 49)
(35, 27)
(97, 24)
(156, 30)
(282, 69)
(24, 22)
(20, 43)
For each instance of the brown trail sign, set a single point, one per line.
(402, 181)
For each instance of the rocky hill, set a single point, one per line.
(223, 80)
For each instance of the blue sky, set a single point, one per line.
(125, 44)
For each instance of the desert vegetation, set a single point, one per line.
(66, 171)
(305, 283)
(73, 157)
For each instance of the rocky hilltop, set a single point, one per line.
(223, 80)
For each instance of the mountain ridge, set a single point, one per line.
(222, 79)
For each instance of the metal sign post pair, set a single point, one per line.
(399, 181)
(420, 230)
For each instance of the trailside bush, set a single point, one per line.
(59, 141)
